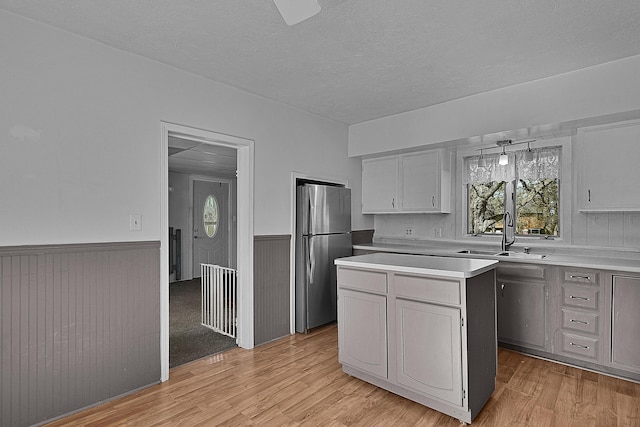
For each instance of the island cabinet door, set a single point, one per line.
(429, 349)
(362, 331)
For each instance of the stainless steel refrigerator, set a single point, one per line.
(323, 233)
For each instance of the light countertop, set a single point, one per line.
(429, 265)
(571, 258)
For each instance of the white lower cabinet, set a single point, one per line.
(625, 351)
(574, 315)
(429, 349)
(521, 296)
(406, 333)
(521, 313)
(581, 324)
(362, 319)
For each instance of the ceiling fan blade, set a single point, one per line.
(296, 11)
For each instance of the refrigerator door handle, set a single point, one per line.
(310, 261)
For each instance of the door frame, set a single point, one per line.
(295, 176)
(230, 245)
(245, 202)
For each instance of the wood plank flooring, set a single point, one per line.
(297, 380)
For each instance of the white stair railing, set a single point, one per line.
(219, 292)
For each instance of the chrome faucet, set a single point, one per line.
(507, 222)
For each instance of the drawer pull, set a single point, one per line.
(578, 321)
(575, 276)
(586, 347)
(579, 298)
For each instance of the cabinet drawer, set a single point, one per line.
(366, 280)
(585, 277)
(580, 296)
(427, 288)
(578, 345)
(580, 321)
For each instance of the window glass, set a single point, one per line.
(210, 216)
(531, 180)
(486, 207)
(537, 207)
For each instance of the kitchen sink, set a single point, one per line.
(510, 254)
(476, 252)
(520, 255)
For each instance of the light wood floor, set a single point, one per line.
(297, 380)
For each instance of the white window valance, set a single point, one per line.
(545, 164)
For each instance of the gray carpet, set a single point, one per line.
(188, 339)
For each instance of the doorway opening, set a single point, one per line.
(209, 178)
(203, 176)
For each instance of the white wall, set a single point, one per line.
(80, 139)
(596, 91)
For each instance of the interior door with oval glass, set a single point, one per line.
(210, 224)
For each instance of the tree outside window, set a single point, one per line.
(527, 188)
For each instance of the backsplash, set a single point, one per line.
(415, 226)
(613, 229)
(608, 229)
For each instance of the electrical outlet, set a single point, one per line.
(408, 231)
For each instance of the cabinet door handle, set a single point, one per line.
(393, 202)
(578, 321)
(575, 276)
(578, 298)
(433, 201)
(502, 288)
(589, 195)
(579, 346)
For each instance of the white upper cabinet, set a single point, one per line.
(380, 185)
(608, 163)
(414, 182)
(425, 181)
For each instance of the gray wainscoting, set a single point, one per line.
(271, 287)
(80, 324)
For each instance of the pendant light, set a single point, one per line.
(528, 155)
(482, 162)
(504, 159)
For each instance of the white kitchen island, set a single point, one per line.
(421, 327)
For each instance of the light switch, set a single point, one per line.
(135, 222)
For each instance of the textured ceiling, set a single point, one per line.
(190, 156)
(358, 59)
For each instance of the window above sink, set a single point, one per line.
(527, 187)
